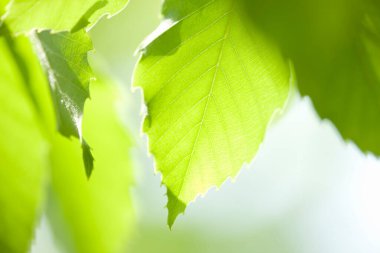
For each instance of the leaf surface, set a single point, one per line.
(3, 3)
(64, 57)
(211, 84)
(59, 15)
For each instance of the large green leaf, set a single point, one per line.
(211, 83)
(64, 57)
(58, 15)
(22, 146)
(96, 214)
(335, 46)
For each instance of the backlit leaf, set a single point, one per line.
(58, 15)
(3, 3)
(211, 84)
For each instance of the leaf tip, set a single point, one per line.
(175, 207)
(88, 159)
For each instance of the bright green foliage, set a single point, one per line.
(63, 55)
(64, 58)
(335, 46)
(22, 146)
(96, 214)
(58, 15)
(3, 3)
(211, 83)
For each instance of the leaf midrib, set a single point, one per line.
(217, 66)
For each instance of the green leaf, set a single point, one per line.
(338, 63)
(3, 3)
(97, 215)
(58, 15)
(211, 83)
(63, 55)
(64, 58)
(22, 146)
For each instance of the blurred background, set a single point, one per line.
(306, 191)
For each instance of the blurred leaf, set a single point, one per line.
(190, 239)
(58, 15)
(3, 3)
(64, 58)
(22, 146)
(335, 46)
(211, 83)
(96, 214)
(25, 110)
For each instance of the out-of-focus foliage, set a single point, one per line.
(64, 58)
(150, 239)
(211, 84)
(96, 215)
(23, 148)
(335, 47)
(3, 3)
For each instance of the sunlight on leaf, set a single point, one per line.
(211, 83)
(58, 15)
(3, 3)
